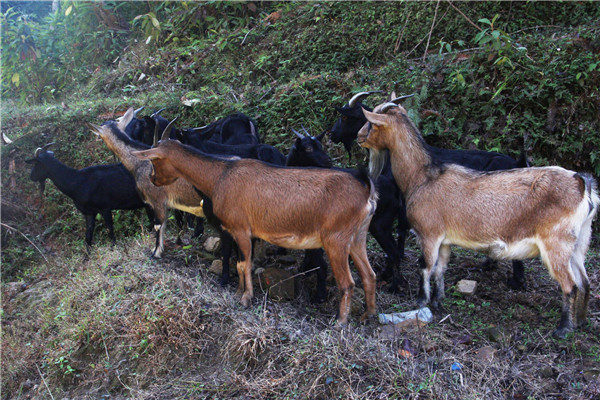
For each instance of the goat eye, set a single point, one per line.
(344, 118)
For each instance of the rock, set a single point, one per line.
(216, 267)
(494, 334)
(591, 374)
(486, 354)
(279, 283)
(212, 244)
(546, 372)
(466, 287)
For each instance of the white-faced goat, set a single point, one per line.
(94, 190)
(514, 214)
(298, 208)
(180, 196)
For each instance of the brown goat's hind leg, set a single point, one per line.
(438, 275)
(430, 255)
(358, 252)
(244, 269)
(566, 324)
(338, 258)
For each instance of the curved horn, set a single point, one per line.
(399, 99)
(301, 136)
(167, 131)
(40, 149)
(360, 96)
(386, 107)
(156, 113)
(135, 112)
(155, 141)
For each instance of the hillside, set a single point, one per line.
(115, 323)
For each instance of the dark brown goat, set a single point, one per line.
(513, 214)
(298, 208)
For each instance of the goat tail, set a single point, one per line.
(364, 176)
(590, 193)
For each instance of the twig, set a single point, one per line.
(247, 33)
(22, 234)
(467, 18)
(431, 30)
(43, 380)
(401, 34)
(425, 37)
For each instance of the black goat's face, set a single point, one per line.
(308, 152)
(347, 125)
(39, 172)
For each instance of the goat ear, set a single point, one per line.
(374, 118)
(94, 128)
(126, 119)
(321, 136)
(150, 154)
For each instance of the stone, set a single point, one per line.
(466, 287)
(486, 354)
(591, 374)
(216, 267)
(212, 244)
(279, 283)
(494, 334)
(546, 372)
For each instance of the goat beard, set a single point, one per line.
(377, 160)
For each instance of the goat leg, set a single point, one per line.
(90, 223)
(107, 215)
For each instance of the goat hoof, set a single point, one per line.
(515, 284)
(561, 333)
(338, 325)
(246, 300)
(422, 302)
(367, 316)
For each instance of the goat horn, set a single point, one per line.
(155, 114)
(386, 107)
(40, 149)
(301, 136)
(167, 131)
(360, 96)
(135, 112)
(398, 99)
(155, 141)
(305, 131)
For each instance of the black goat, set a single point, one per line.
(307, 151)
(345, 130)
(94, 190)
(262, 152)
(234, 129)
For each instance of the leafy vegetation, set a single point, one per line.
(498, 76)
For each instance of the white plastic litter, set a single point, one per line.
(423, 314)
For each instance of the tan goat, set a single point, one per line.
(297, 208)
(513, 214)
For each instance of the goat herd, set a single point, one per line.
(246, 189)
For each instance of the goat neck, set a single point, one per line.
(66, 179)
(180, 165)
(394, 131)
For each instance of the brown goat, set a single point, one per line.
(512, 214)
(297, 208)
(180, 196)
